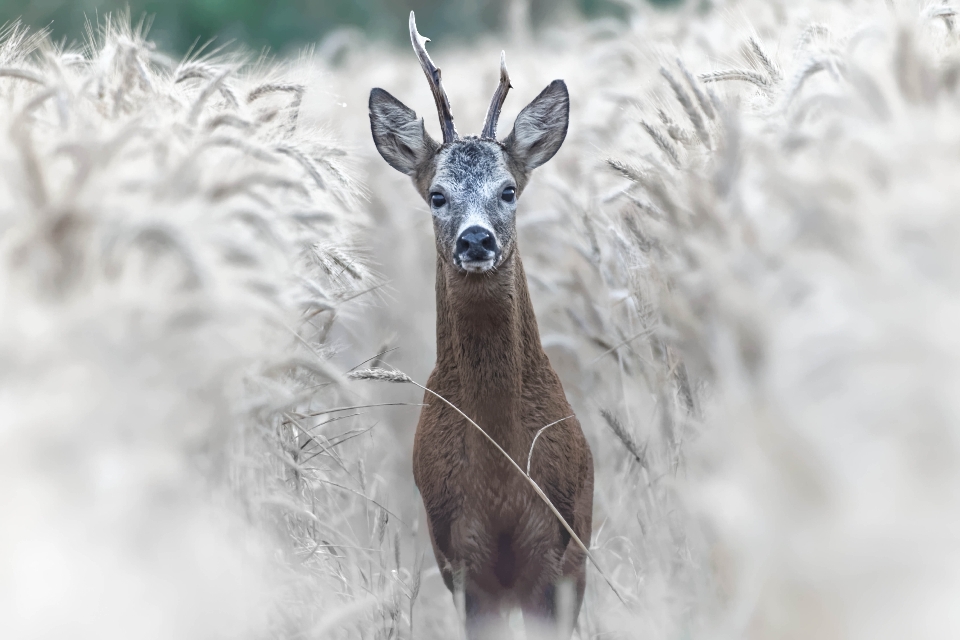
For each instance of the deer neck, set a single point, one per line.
(487, 345)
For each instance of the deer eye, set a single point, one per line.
(437, 200)
(509, 194)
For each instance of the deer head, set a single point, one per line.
(471, 184)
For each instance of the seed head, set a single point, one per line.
(383, 375)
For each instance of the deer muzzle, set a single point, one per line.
(477, 250)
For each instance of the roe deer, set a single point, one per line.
(492, 536)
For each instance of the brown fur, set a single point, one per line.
(484, 519)
(491, 532)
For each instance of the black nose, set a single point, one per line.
(476, 244)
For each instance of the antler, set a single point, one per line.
(433, 77)
(499, 96)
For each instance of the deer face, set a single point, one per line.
(471, 184)
(473, 200)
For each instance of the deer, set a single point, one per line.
(497, 544)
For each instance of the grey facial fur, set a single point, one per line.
(471, 175)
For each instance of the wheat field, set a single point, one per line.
(745, 262)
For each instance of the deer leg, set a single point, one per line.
(484, 617)
(552, 614)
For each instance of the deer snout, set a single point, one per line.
(477, 249)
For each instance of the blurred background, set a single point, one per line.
(285, 25)
(744, 261)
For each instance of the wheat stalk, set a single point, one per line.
(534, 443)
(392, 375)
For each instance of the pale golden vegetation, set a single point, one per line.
(744, 262)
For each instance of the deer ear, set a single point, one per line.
(541, 127)
(400, 137)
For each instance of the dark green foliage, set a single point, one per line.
(282, 25)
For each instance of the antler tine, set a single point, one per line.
(499, 96)
(433, 77)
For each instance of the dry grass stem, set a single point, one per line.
(398, 376)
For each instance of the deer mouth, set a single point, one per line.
(478, 266)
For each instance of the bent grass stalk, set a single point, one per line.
(534, 443)
(385, 375)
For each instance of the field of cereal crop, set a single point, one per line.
(744, 260)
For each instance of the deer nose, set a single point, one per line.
(476, 244)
